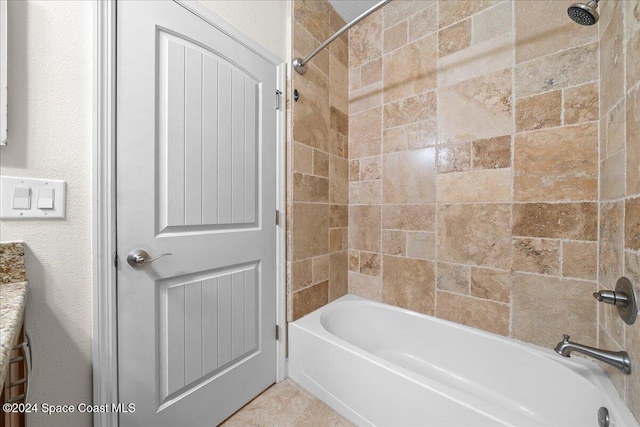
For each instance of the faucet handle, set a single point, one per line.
(565, 338)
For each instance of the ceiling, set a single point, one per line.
(350, 9)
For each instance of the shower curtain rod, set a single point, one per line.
(300, 65)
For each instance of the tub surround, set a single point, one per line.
(13, 297)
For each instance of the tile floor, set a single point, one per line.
(286, 405)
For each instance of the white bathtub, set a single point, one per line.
(381, 365)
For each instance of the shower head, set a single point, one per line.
(584, 14)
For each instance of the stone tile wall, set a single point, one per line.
(619, 179)
(317, 170)
(473, 165)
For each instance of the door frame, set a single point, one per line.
(104, 274)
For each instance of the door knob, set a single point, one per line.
(140, 258)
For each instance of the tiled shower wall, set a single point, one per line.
(620, 179)
(317, 178)
(473, 165)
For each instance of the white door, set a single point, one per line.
(196, 178)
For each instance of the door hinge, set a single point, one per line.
(278, 96)
(115, 260)
(277, 217)
(277, 333)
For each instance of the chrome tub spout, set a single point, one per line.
(618, 359)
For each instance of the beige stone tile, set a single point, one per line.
(454, 157)
(615, 128)
(539, 111)
(365, 40)
(301, 274)
(562, 69)
(536, 316)
(616, 376)
(633, 60)
(612, 79)
(394, 242)
(484, 185)
(313, 16)
(409, 283)
(409, 176)
(302, 158)
(476, 234)
(633, 142)
(281, 404)
(581, 103)
(311, 122)
(315, 81)
(632, 336)
(423, 23)
(394, 139)
(557, 164)
(482, 314)
(310, 230)
(364, 133)
(338, 180)
(370, 263)
(318, 414)
(365, 192)
(476, 109)
(338, 216)
(415, 135)
(365, 98)
(542, 28)
(354, 260)
(492, 153)
(490, 284)
(364, 228)
(355, 79)
(580, 259)
(421, 245)
(611, 242)
(410, 110)
(396, 11)
(477, 60)
(612, 177)
(632, 224)
(453, 278)
(411, 69)
(338, 144)
(309, 299)
(338, 275)
(304, 42)
(493, 22)
(320, 268)
(413, 217)
(320, 163)
(308, 188)
(539, 256)
(339, 50)
(370, 168)
(336, 22)
(454, 38)
(365, 286)
(371, 72)
(631, 18)
(576, 221)
(396, 36)
(454, 11)
(354, 170)
(338, 86)
(338, 239)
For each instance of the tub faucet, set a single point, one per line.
(618, 359)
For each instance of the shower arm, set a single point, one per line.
(300, 65)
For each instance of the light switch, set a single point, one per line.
(46, 196)
(21, 198)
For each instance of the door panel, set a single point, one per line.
(196, 179)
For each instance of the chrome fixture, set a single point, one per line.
(603, 417)
(300, 65)
(140, 258)
(584, 14)
(624, 298)
(618, 359)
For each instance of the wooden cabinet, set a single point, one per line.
(15, 384)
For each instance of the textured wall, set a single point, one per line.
(317, 183)
(474, 165)
(620, 179)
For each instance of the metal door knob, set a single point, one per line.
(140, 258)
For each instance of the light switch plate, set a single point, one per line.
(9, 183)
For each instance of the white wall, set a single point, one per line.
(50, 61)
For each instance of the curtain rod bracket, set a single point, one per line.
(299, 66)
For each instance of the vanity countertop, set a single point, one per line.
(13, 298)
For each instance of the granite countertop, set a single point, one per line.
(13, 297)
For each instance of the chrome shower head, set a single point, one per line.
(584, 14)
